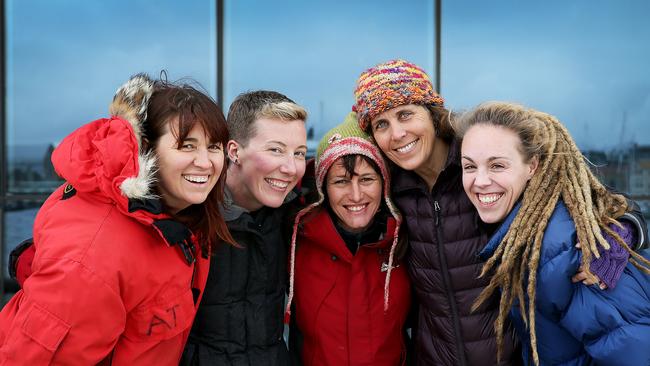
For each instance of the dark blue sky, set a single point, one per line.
(582, 60)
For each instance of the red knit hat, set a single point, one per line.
(389, 85)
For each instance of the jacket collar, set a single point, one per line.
(498, 235)
(231, 211)
(320, 230)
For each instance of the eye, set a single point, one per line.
(214, 147)
(497, 166)
(468, 167)
(276, 150)
(380, 125)
(368, 179)
(404, 115)
(188, 146)
(340, 181)
(301, 154)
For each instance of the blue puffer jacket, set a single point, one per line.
(578, 324)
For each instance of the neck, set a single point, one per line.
(430, 170)
(240, 196)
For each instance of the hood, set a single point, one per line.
(104, 160)
(104, 157)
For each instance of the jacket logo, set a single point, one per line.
(168, 319)
(384, 267)
(68, 191)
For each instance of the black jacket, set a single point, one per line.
(445, 234)
(240, 319)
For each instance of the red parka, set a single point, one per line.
(339, 298)
(106, 286)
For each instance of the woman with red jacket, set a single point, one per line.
(351, 297)
(119, 250)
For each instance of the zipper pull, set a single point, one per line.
(436, 208)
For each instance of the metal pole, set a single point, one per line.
(3, 148)
(438, 28)
(220, 28)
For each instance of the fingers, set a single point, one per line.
(578, 277)
(588, 279)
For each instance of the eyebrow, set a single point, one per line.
(491, 158)
(285, 145)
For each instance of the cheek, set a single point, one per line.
(382, 140)
(261, 165)
(466, 183)
(333, 196)
(168, 165)
(519, 185)
(376, 193)
(301, 166)
(218, 163)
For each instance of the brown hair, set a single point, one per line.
(192, 107)
(249, 107)
(562, 174)
(441, 117)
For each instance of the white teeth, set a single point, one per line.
(356, 208)
(196, 178)
(277, 183)
(406, 147)
(489, 198)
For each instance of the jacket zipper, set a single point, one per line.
(450, 294)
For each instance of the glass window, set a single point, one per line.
(65, 60)
(18, 221)
(313, 52)
(583, 61)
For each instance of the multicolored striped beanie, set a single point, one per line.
(389, 85)
(345, 139)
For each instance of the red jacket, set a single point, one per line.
(339, 299)
(105, 285)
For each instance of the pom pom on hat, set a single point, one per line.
(389, 85)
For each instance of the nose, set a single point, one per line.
(288, 166)
(355, 193)
(397, 132)
(482, 178)
(202, 159)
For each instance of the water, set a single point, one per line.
(18, 227)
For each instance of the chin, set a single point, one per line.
(491, 217)
(272, 202)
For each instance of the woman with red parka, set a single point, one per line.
(119, 257)
(351, 296)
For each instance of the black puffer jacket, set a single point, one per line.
(240, 319)
(445, 234)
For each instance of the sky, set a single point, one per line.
(584, 61)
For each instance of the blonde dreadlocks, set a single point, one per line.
(562, 174)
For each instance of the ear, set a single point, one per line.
(532, 166)
(232, 149)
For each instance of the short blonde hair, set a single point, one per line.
(251, 106)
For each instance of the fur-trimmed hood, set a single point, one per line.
(104, 157)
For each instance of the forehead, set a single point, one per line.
(488, 141)
(393, 111)
(361, 166)
(290, 133)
